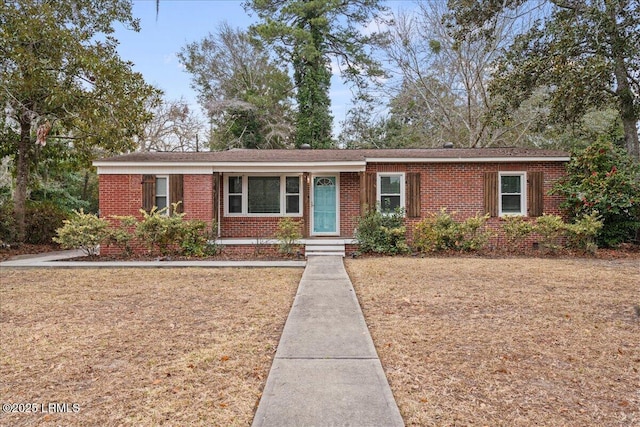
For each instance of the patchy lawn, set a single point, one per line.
(506, 342)
(140, 347)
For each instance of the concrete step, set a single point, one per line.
(311, 253)
(325, 248)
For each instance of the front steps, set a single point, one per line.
(324, 247)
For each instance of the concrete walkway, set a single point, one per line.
(326, 371)
(57, 260)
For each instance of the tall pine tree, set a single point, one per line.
(309, 34)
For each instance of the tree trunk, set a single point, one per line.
(631, 137)
(627, 110)
(624, 93)
(22, 178)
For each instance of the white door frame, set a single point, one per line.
(312, 210)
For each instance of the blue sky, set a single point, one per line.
(153, 50)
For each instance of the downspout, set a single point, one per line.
(220, 182)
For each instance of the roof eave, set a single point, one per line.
(110, 167)
(519, 159)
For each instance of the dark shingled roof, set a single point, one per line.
(302, 156)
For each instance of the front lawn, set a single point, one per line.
(140, 346)
(506, 342)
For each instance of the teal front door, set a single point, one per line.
(325, 212)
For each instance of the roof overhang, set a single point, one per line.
(155, 168)
(468, 159)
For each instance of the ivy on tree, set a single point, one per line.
(308, 34)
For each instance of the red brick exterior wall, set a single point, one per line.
(120, 195)
(458, 187)
(198, 197)
(349, 202)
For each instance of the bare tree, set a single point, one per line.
(174, 127)
(444, 80)
(247, 97)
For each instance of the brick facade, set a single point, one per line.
(456, 186)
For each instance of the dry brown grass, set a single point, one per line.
(512, 342)
(140, 347)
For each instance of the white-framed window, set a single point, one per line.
(512, 199)
(390, 189)
(292, 195)
(263, 195)
(162, 192)
(234, 192)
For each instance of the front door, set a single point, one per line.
(325, 205)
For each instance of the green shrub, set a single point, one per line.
(516, 229)
(82, 231)
(196, 239)
(42, 219)
(160, 231)
(475, 234)
(605, 179)
(288, 233)
(551, 229)
(440, 232)
(171, 233)
(583, 233)
(436, 232)
(382, 233)
(121, 234)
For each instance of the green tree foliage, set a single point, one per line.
(584, 54)
(308, 35)
(605, 180)
(62, 79)
(247, 96)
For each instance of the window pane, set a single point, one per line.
(161, 187)
(293, 204)
(161, 202)
(510, 184)
(390, 185)
(235, 204)
(389, 203)
(293, 184)
(264, 194)
(511, 204)
(235, 184)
